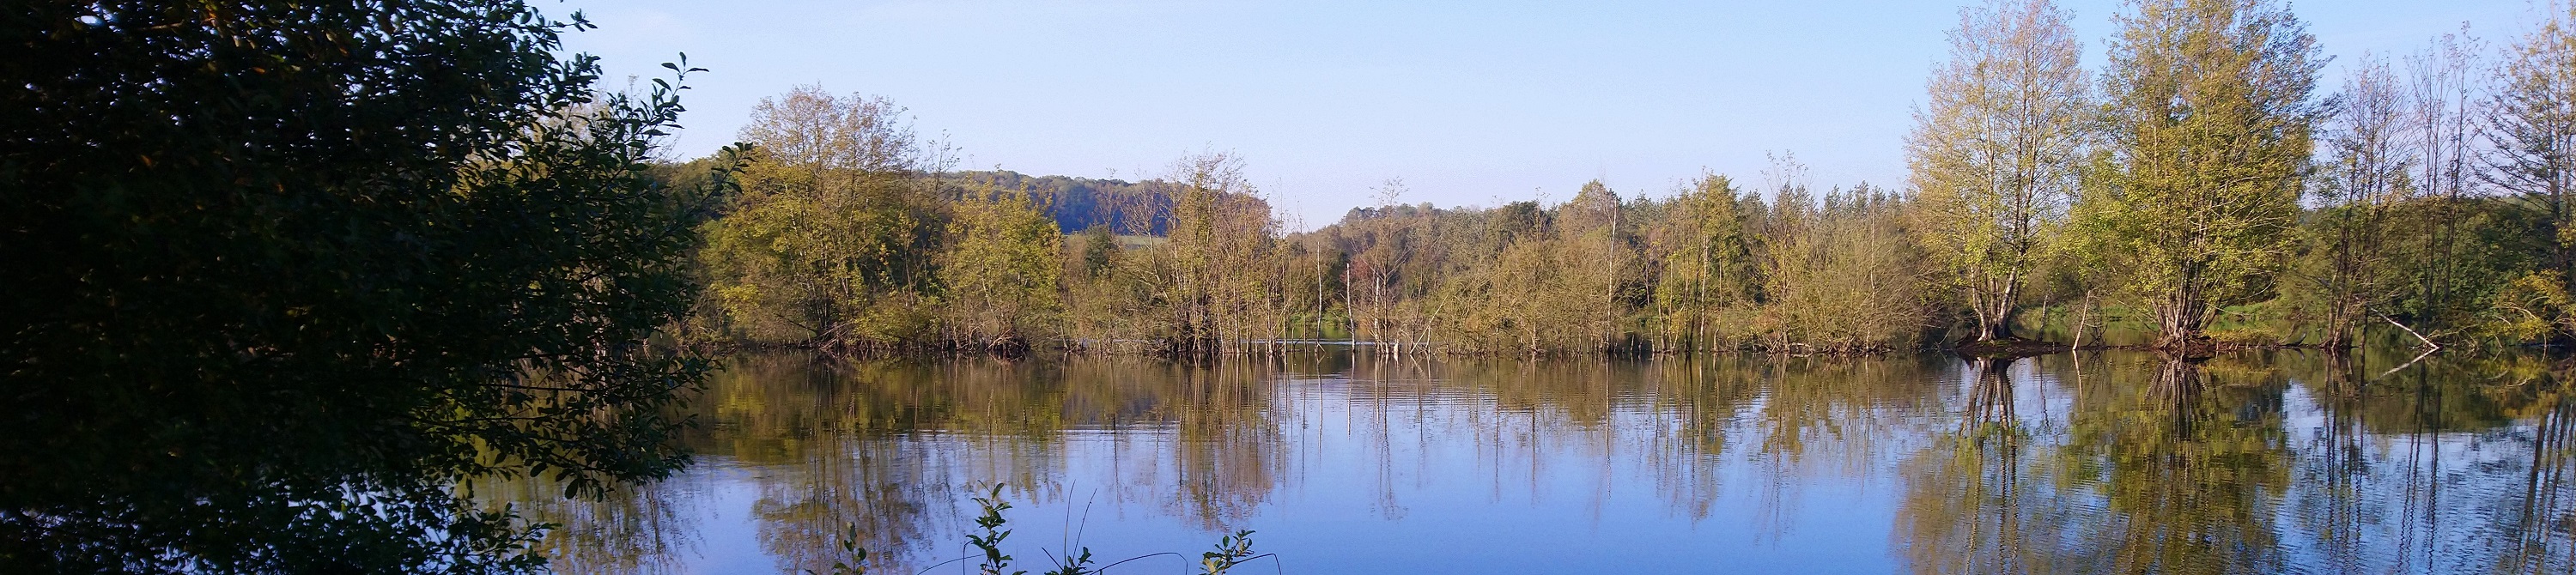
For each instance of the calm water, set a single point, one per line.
(2098, 463)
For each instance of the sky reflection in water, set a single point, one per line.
(2096, 463)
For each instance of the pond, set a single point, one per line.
(2100, 462)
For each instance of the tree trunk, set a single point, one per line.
(2179, 319)
(1994, 318)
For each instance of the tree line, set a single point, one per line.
(284, 274)
(2198, 190)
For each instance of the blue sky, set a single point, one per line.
(1467, 102)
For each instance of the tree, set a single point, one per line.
(1591, 230)
(2365, 176)
(1000, 273)
(1221, 237)
(1996, 152)
(833, 240)
(2444, 86)
(2531, 121)
(1712, 267)
(1842, 279)
(283, 273)
(2210, 121)
(1099, 250)
(1389, 242)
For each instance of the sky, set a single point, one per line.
(1467, 103)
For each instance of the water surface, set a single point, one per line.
(2094, 463)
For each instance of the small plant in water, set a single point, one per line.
(995, 563)
(1073, 563)
(857, 564)
(1231, 550)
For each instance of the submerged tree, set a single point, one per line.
(1996, 152)
(283, 273)
(2210, 121)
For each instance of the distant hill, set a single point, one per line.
(1077, 204)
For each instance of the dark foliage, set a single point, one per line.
(1084, 203)
(280, 273)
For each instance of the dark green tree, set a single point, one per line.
(281, 275)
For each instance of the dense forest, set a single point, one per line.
(2198, 189)
(1083, 203)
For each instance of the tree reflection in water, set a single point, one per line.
(633, 529)
(2252, 463)
(2092, 463)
